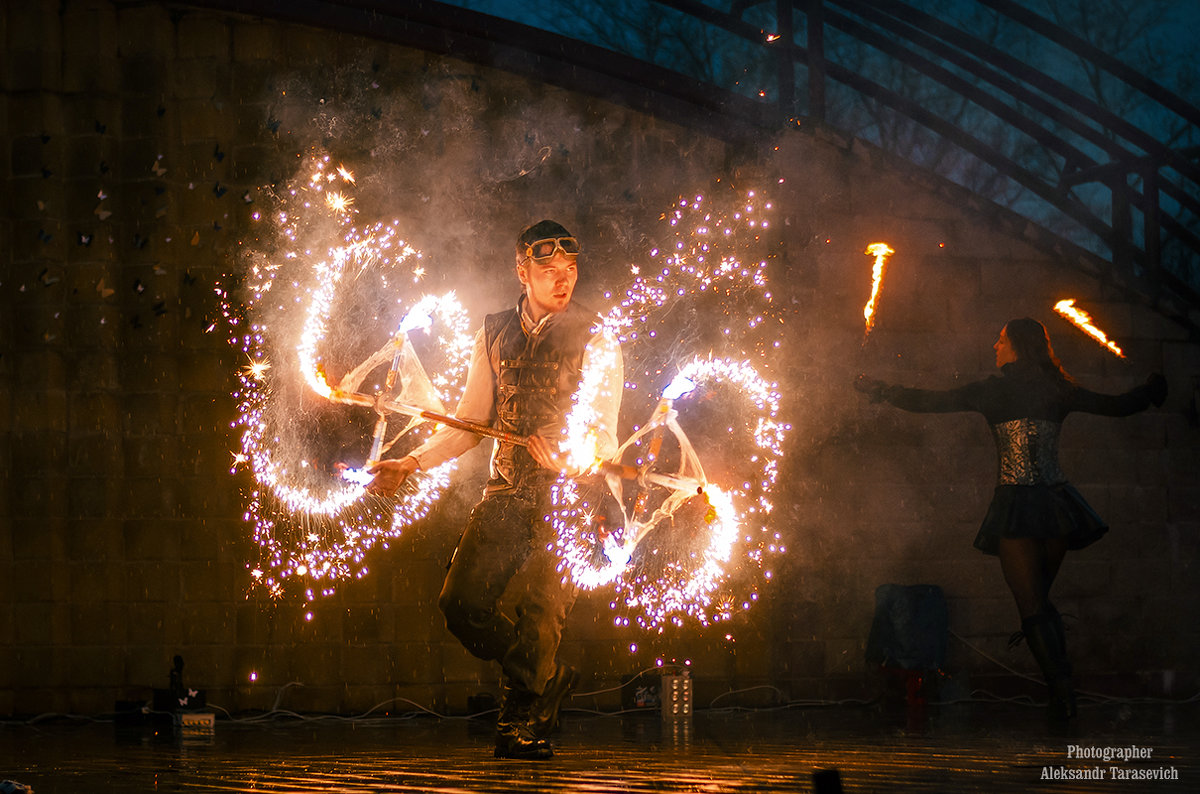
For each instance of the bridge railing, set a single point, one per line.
(979, 100)
(1113, 185)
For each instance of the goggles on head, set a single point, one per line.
(542, 250)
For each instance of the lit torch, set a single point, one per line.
(1083, 321)
(881, 252)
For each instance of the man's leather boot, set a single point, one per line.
(514, 733)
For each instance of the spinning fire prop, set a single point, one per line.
(673, 540)
(314, 523)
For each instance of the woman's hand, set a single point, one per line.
(871, 387)
(1156, 388)
(390, 475)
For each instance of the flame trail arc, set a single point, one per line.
(679, 524)
(305, 310)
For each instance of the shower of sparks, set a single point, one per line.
(679, 524)
(313, 522)
(881, 252)
(1083, 321)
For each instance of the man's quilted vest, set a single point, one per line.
(536, 374)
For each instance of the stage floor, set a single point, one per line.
(992, 747)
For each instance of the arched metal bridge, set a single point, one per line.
(988, 95)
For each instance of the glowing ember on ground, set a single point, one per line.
(881, 252)
(679, 525)
(1083, 321)
(315, 525)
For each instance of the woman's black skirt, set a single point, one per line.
(1039, 511)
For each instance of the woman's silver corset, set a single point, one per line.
(1028, 450)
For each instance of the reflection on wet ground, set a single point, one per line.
(990, 747)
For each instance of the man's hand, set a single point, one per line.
(390, 475)
(545, 453)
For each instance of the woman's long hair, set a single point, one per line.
(1031, 342)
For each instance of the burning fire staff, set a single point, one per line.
(524, 371)
(1035, 515)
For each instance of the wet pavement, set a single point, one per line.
(977, 746)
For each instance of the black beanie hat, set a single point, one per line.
(541, 230)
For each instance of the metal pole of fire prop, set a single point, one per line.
(644, 477)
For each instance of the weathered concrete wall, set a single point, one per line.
(138, 140)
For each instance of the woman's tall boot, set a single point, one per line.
(1047, 641)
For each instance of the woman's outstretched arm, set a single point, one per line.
(1152, 392)
(962, 398)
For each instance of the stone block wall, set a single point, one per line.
(139, 140)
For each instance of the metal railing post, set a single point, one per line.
(1151, 230)
(786, 70)
(815, 12)
(1122, 224)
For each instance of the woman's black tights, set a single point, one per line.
(1030, 565)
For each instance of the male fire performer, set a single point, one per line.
(523, 375)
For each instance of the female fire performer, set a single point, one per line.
(1035, 514)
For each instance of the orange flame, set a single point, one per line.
(881, 251)
(316, 380)
(1083, 321)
